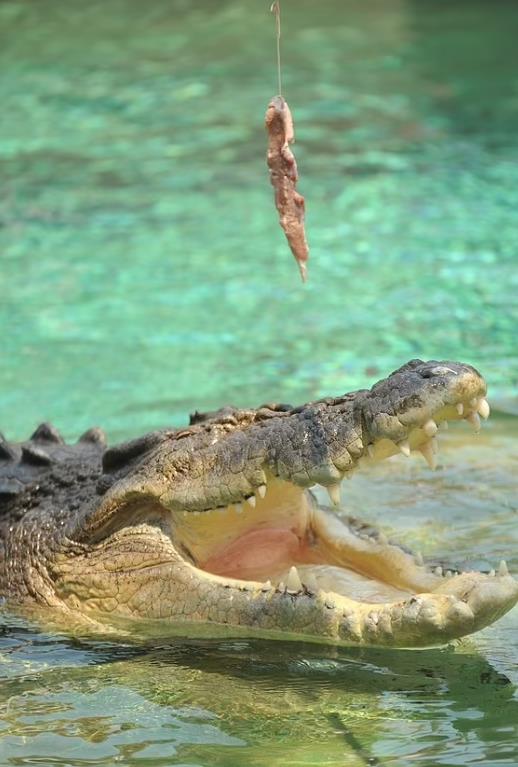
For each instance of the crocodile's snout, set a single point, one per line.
(421, 391)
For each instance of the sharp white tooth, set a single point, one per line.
(293, 583)
(460, 408)
(503, 569)
(444, 425)
(261, 490)
(266, 586)
(404, 447)
(334, 494)
(382, 539)
(474, 420)
(483, 408)
(430, 428)
(238, 507)
(438, 570)
(492, 572)
(427, 452)
(449, 573)
(281, 586)
(419, 559)
(251, 501)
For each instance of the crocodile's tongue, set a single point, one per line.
(257, 554)
(269, 554)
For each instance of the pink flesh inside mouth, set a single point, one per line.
(256, 553)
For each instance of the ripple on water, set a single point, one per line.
(144, 275)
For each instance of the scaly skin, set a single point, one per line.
(154, 529)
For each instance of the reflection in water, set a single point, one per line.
(257, 702)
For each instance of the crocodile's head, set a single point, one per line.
(217, 523)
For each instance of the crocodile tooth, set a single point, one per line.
(293, 583)
(492, 572)
(404, 447)
(419, 559)
(438, 570)
(251, 501)
(460, 408)
(382, 539)
(483, 408)
(430, 428)
(474, 420)
(503, 570)
(426, 451)
(334, 494)
(448, 573)
(266, 586)
(261, 490)
(281, 586)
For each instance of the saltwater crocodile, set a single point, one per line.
(215, 523)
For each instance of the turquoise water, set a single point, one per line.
(143, 275)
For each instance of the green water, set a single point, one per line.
(143, 275)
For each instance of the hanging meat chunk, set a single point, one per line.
(284, 177)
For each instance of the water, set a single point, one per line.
(143, 275)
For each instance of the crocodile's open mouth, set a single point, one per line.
(285, 542)
(219, 524)
(280, 543)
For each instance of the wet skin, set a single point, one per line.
(216, 523)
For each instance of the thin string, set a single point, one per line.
(276, 9)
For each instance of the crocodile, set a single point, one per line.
(217, 524)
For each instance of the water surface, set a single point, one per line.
(143, 275)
